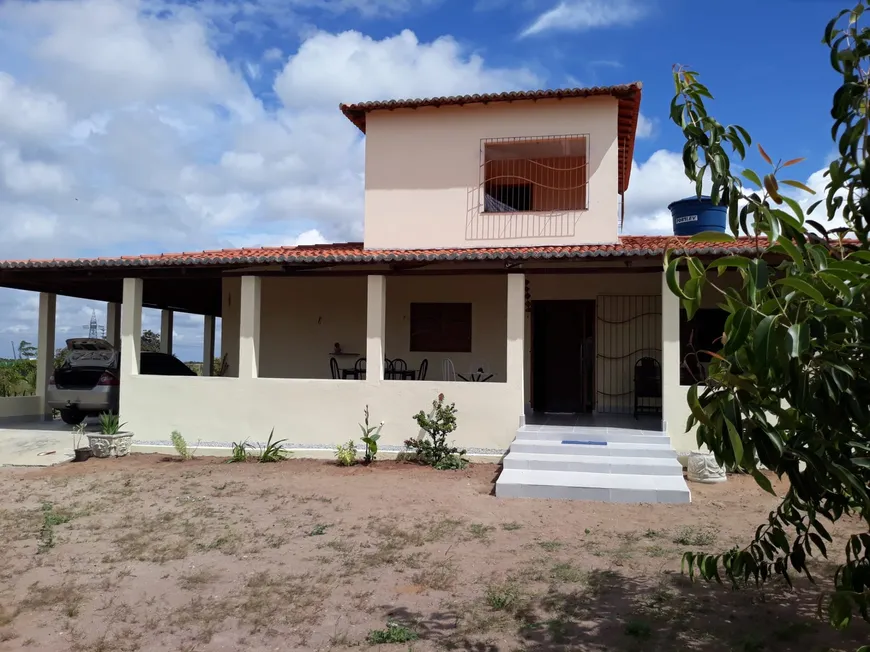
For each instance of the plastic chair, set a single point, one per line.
(448, 371)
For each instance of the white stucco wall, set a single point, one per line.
(322, 412)
(423, 170)
(302, 318)
(20, 408)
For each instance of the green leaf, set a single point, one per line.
(862, 462)
(798, 184)
(671, 278)
(712, 236)
(730, 261)
(799, 337)
(764, 343)
(792, 251)
(749, 174)
(695, 406)
(740, 325)
(802, 286)
(736, 442)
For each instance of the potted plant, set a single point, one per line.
(82, 453)
(111, 441)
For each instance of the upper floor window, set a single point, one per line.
(535, 174)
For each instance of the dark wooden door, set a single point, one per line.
(563, 356)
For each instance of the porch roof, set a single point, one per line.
(355, 252)
(191, 281)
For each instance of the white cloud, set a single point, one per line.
(28, 177)
(351, 67)
(583, 15)
(28, 112)
(646, 127)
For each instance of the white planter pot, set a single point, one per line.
(702, 467)
(110, 445)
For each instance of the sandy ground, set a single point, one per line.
(147, 553)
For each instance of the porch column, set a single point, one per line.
(249, 328)
(45, 350)
(167, 319)
(131, 327)
(670, 359)
(516, 329)
(113, 324)
(207, 345)
(376, 307)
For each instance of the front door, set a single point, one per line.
(563, 350)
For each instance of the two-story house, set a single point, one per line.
(492, 271)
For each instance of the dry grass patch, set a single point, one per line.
(195, 579)
(67, 598)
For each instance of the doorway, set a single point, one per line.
(563, 356)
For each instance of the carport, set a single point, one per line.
(167, 283)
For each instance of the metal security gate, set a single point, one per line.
(628, 329)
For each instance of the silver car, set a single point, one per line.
(87, 382)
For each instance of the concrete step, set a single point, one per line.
(619, 449)
(606, 487)
(593, 463)
(583, 433)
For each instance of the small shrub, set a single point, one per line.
(50, 518)
(180, 445)
(512, 526)
(394, 633)
(345, 454)
(318, 530)
(371, 435)
(502, 597)
(78, 433)
(480, 531)
(273, 452)
(550, 546)
(110, 424)
(240, 452)
(692, 536)
(433, 449)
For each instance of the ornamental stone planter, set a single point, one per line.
(702, 467)
(110, 445)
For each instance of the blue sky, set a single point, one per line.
(141, 126)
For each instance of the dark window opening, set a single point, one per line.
(441, 327)
(702, 333)
(513, 197)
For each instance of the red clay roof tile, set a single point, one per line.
(627, 94)
(354, 252)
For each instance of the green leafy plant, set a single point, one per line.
(50, 518)
(240, 452)
(433, 449)
(788, 387)
(502, 597)
(345, 454)
(370, 437)
(110, 424)
(394, 633)
(273, 452)
(78, 433)
(318, 530)
(180, 445)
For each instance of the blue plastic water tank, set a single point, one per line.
(694, 215)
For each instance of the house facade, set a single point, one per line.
(492, 271)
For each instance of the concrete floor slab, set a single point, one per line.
(43, 443)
